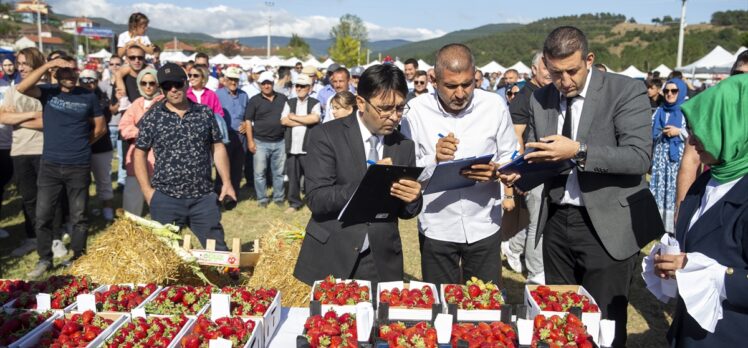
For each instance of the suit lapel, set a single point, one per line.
(590, 105)
(355, 143)
(719, 214)
(389, 149)
(552, 112)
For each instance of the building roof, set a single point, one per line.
(46, 40)
(78, 20)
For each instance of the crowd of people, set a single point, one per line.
(308, 136)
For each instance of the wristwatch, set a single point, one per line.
(581, 156)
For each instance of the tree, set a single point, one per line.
(345, 51)
(7, 27)
(656, 20)
(350, 37)
(632, 20)
(350, 25)
(298, 47)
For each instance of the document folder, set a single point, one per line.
(372, 200)
(447, 175)
(533, 175)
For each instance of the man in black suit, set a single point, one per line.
(336, 161)
(595, 218)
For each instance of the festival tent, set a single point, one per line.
(399, 64)
(174, 57)
(327, 63)
(312, 62)
(633, 72)
(422, 65)
(101, 54)
(712, 62)
(219, 59)
(521, 68)
(663, 70)
(375, 62)
(492, 67)
(291, 62)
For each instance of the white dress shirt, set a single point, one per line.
(365, 135)
(298, 132)
(572, 194)
(473, 213)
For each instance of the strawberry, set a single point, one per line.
(409, 298)
(340, 293)
(475, 294)
(551, 300)
(330, 329)
(74, 331)
(166, 301)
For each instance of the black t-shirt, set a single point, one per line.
(104, 144)
(67, 124)
(265, 116)
(131, 84)
(520, 107)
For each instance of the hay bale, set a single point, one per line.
(280, 249)
(130, 253)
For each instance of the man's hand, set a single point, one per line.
(406, 190)
(251, 146)
(508, 204)
(509, 179)
(481, 172)
(671, 131)
(387, 161)
(446, 148)
(243, 128)
(227, 190)
(60, 63)
(148, 194)
(552, 148)
(666, 265)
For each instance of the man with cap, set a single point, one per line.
(265, 138)
(316, 86)
(355, 75)
(180, 191)
(299, 114)
(234, 102)
(253, 87)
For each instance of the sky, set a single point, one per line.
(409, 20)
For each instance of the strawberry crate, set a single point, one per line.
(412, 312)
(55, 284)
(234, 259)
(590, 319)
(142, 300)
(484, 304)
(329, 324)
(168, 303)
(540, 332)
(268, 322)
(12, 288)
(183, 339)
(35, 340)
(364, 285)
(30, 321)
(110, 340)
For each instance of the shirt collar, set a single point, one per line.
(365, 133)
(468, 109)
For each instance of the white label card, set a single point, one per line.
(219, 306)
(86, 302)
(219, 343)
(43, 302)
(138, 313)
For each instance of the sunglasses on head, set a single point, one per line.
(136, 58)
(667, 90)
(168, 85)
(148, 83)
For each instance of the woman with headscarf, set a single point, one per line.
(132, 196)
(668, 133)
(10, 74)
(712, 228)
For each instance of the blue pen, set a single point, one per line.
(370, 162)
(516, 152)
(440, 135)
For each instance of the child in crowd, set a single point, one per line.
(135, 35)
(343, 104)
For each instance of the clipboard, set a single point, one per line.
(372, 200)
(534, 174)
(447, 175)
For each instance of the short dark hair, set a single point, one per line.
(382, 79)
(411, 61)
(283, 72)
(654, 82)
(59, 53)
(135, 47)
(600, 66)
(421, 73)
(513, 71)
(201, 55)
(740, 61)
(675, 74)
(156, 49)
(343, 70)
(565, 41)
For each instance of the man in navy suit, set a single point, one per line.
(336, 161)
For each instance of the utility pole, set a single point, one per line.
(679, 60)
(39, 24)
(270, 5)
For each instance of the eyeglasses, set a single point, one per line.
(388, 110)
(87, 80)
(136, 58)
(148, 83)
(168, 85)
(510, 93)
(302, 86)
(195, 76)
(419, 82)
(232, 79)
(667, 90)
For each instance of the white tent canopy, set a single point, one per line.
(492, 67)
(291, 62)
(327, 63)
(633, 72)
(174, 57)
(375, 62)
(101, 54)
(521, 68)
(422, 65)
(663, 70)
(717, 58)
(399, 64)
(312, 62)
(219, 59)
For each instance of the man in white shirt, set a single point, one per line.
(459, 228)
(305, 115)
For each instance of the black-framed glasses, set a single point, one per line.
(195, 76)
(148, 83)
(388, 110)
(419, 82)
(668, 90)
(168, 85)
(301, 86)
(86, 80)
(141, 58)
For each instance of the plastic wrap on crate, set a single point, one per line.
(591, 320)
(105, 288)
(473, 314)
(404, 313)
(338, 309)
(32, 341)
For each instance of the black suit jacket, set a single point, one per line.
(721, 234)
(333, 167)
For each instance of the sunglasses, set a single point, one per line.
(195, 76)
(673, 91)
(419, 82)
(136, 57)
(510, 93)
(302, 86)
(87, 80)
(148, 83)
(168, 85)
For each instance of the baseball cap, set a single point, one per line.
(266, 76)
(357, 71)
(233, 72)
(302, 79)
(88, 74)
(170, 72)
(332, 67)
(258, 69)
(308, 70)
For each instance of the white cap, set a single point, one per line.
(258, 69)
(303, 80)
(266, 76)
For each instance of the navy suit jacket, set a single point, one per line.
(721, 234)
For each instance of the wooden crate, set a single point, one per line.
(232, 259)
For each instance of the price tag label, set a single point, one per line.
(43, 302)
(219, 306)
(86, 302)
(219, 343)
(138, 313)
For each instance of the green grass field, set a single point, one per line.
(649, 319)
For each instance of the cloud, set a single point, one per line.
(226, 22)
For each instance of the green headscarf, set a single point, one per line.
(719, 118)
